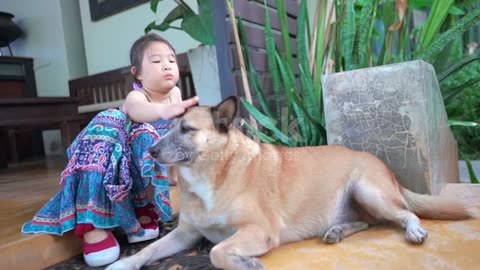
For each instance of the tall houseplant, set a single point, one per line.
(298, 121)
(365, 34)
(203, 59)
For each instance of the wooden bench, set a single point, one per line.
(37, 113)
(108, 89)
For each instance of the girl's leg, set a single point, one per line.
(142, 170)
(95, 178)
(173, 175)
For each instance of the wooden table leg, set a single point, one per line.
(4, 151)
(12, 141)
(69, 131)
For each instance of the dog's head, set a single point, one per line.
(201, 130)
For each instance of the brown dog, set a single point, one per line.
(249, 197)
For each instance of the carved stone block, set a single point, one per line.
(395, 112)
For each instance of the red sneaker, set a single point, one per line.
(101, 253)
(150, 228)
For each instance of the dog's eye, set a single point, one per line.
(186, 128)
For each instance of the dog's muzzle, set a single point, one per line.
(169, 157)
(153, 152)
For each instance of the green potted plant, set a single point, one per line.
(202, 59)
(198, 26)
(352, 41)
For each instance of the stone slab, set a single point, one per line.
(397, 113)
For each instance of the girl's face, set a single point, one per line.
(159, 71)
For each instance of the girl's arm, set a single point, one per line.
(173, 170)
(139, 109)
(176, 95)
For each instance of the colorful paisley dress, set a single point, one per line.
(104, 181)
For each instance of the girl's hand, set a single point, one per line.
(177, 109)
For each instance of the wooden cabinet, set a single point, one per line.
(17, 79)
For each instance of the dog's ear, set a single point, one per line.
(224, 113)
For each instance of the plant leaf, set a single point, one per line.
(456, 11)
(154, 5)
(272, 63)
(401, 6)
(435, 19)
(465, 61)
(471, 172)
(462, 123)
(348, 35)
(282, 18)
(177, 13)
(452, 92)
(362, 40)
(267, 122)
(437, 46)
(200, 27)
(264, 137)
(253, 78)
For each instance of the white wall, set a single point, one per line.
(53, 38)
(74, 42)
(108, 41)
(44, 41)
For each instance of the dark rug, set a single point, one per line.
(194, 259)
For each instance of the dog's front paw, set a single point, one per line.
(249, 263)
(123, 264)
(333, 235)
(416, 234)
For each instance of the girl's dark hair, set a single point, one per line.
(139, 46)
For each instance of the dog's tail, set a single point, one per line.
(436, 207)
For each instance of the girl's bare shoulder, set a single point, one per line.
(136, 95)
(176, 95)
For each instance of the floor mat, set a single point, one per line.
(194, 259)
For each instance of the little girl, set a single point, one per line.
(104, 184)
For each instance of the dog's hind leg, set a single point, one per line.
(389, 205)
(238, 251)
(338, 232)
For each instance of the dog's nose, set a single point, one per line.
(152, 152)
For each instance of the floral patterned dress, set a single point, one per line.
(105, 178)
